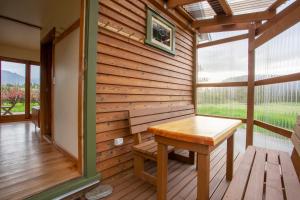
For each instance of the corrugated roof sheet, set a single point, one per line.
(202, 10)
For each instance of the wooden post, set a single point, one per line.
(195, 63)
(251, 78)
(27, 90)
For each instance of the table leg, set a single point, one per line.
(203, 162)
(229, 163)
(162, 171)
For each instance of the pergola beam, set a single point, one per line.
(175, 3)
(278, 27)
(276, 4)
(225, 7)
(221, 28)
(277, 17)
(235, 19)
(221, 7)
(222, 41)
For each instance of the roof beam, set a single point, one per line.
(222, 41)
(226, 7)
(235, 19)
(276, 4)
(277, 17)
(220, 7)
(175, 3)
(221, 28)
(284, 23)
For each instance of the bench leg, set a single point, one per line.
(138, 165)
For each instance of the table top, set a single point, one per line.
(198, 129)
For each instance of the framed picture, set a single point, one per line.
(160, 32)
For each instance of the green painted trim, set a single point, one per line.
(90, 173)
(151, 13)
(64, 188)
(91, 31)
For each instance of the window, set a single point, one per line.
(224, 101)
(19, 80)
(12, 88)
(34, 86)
(223, 63)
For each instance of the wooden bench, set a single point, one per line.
(267, 174)
(139, 121)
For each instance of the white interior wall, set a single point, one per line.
(66, 93)
(19, 53)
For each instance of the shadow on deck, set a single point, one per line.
(182, 180)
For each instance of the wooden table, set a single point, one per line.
(198, 134)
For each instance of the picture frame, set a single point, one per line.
(160, 32)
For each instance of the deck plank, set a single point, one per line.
(273, 177)
(255, 185)
(182, 180)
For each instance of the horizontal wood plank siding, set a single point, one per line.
(132, 75)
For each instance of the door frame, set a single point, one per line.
(90, 174)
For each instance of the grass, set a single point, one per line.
(282, 115)
(20, 107)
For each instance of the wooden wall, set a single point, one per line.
(131, 75)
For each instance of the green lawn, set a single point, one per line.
(282, 115)
(20, 107)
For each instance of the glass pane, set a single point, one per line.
(279, 56)
(12, 88)
(223, 63)
(269, 140)
(230, 102)
(34, 86)
(278, 104)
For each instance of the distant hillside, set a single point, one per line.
(8, 77)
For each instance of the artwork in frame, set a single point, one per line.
(160, 32)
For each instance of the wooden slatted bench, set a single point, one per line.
(139, 121)
(267, 174)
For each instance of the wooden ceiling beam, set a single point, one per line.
(284, 23)
(175, 3)
(235, 19)
(222, 28)
(222, 41)
(277, 17)
(226, 7)
(220, 7)
(276, 4)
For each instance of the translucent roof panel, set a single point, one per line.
(239, 7)
(203, 10)
(200, 10)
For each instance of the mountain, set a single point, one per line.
(8, 77)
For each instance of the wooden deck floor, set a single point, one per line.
(182, 180)
(28, 166)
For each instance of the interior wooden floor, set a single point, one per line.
(28, 166)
